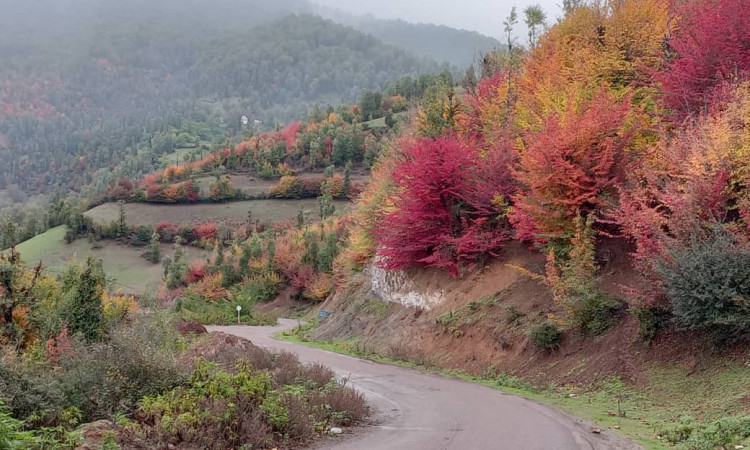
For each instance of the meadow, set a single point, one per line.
(270, 211)
(124, 264)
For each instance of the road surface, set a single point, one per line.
(422, 411)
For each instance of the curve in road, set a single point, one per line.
(423, 411)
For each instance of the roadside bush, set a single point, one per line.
(136, 360)
(250, 407)
(574, 282)
(708, 286)
(593, 311)
(263, 287)
(546, 336)
(651, 320)
(721, 433)
(89, 381)
(192, 307)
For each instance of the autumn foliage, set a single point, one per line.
(570, 167)
(709, 52)
(444, 215)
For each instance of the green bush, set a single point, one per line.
(650, 321)
(263, 287)
(708, 286)
(94, 380)
(721, 433)
(267, 397)
(193, 307)
(12, 435)
(593, 311)
(546, 335)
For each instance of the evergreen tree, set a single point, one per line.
(153, 252)
(256, 246)
(271, 251)
(244, 262)
(301, 218)
(122, 224)
(347, 178)
(327, 208)
(328, 253)
(82, 309)
(310, 257)
(178, 267)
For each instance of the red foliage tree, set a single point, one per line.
(568, 167)
(206, 231)
(711, 48)
(445, 214)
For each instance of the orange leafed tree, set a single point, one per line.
(569, 167)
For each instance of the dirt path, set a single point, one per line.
(422, 411)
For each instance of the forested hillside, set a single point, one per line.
(459, 48)
(87, 86)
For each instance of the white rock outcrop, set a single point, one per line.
(396, 287)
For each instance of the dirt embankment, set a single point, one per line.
(480, 325)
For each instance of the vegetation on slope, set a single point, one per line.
(72, 352)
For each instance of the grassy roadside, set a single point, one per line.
(670, 411)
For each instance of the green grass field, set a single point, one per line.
(176, 157)
(249, 184)
(232, 213)
(123, 264)
(380, 123)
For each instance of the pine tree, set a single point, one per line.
(327, 208)
(347, 179)
(328, 253)
(122, 225)
(83, 311)
(271, 252)
(153, 252)
(178, 267)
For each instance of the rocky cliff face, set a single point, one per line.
(398, 287)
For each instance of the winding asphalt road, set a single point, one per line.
(423, 411)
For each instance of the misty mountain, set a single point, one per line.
(458, 48)
(86, 84)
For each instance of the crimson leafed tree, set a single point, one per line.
(709, 51)
(569, 167)
(449, 209)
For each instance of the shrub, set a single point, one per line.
(136, 360)
(710, 48)
(93, 380)
(708, 285)
(651, 319)
(721, 433)
(167, 231)
(569, 167)
(446, 214)
(206, 231)
(263, 287)
(250, 407)
(574, 282)
(546, 336)
(593, 311)
(287, 187)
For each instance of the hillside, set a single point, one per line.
(459, 48)
(99, 88)
(570, 224)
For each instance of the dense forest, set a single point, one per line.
(96, 84)
(459, 48)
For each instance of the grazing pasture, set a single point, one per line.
(128, 270)
(232, 213)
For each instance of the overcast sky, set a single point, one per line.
(484, 16)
